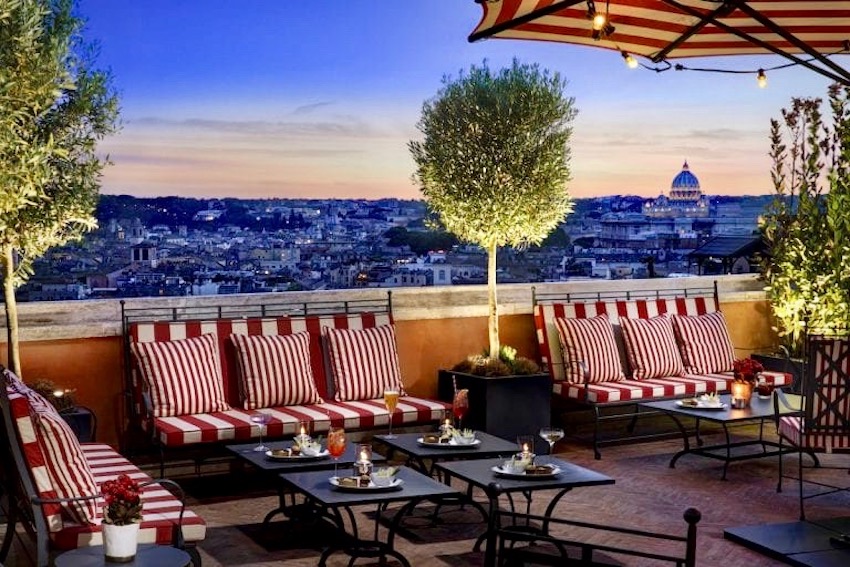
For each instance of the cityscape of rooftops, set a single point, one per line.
(265, 148)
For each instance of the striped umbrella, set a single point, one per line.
(806, 32)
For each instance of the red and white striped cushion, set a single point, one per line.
(652, 349)
(182, 376)
(590, 341)
(704, 343)
(160, 508)
(275, 370)
(792, 428)
(364, 362)
(52, 476)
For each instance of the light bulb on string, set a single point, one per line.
(599, 21)
(631, 62)
(761, 79)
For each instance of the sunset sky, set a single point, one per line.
(270, 98)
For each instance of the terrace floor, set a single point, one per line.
(647, 494)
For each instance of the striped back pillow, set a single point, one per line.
(592, 342)
(652, 349)
(52, 454)
(704, 343)
(275, 370)
(364, 362)
(182, 376)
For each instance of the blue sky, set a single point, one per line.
(265, 98)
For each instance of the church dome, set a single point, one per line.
(685, 180)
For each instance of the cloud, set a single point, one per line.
(309, 108)
(345, 126)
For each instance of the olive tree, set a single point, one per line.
(54, 108)
(807, 229)
(493, 162)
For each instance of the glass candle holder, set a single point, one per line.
(363, 459)
(741, 394)
(302, 432)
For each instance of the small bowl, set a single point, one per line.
(515, 467)
(382, 479)
(463, 437)
(311, 449)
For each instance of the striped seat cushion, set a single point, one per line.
(589, 342)
(792, 428)
(160, 508)
(656, 388)
(364, 362)
(182, 376)
(53, 456)
(275, 370)
(704, 343)
(651, 346)
(235, 424)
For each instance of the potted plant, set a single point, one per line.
(493, 165)
(122, 517)
(806, 229)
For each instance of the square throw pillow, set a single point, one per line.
(364, 362)
(182, 376)
(274, 370)
(704, 343)
(652, 349)
(589, 341)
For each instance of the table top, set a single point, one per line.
(479, 473)
(759, 409)
(490, 446)
(245, 451)
(146, 555)
(316, 485)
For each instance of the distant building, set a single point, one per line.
(685, 198)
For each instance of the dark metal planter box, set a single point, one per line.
(504, 406)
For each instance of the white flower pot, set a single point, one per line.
(120, 542)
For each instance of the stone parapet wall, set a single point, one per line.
(57, 320)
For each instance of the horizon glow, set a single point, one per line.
(319, 100)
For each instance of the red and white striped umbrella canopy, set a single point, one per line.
(804, 31)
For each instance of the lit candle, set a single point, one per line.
(303, 430)
(58, 393)
(447, 423)
(363, 456)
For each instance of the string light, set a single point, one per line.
(761, 78)
(599, 21)
(631, 62)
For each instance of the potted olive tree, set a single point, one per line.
(493, 164)
(807, 229)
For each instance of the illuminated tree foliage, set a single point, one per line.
(54, 108)
(807, 227)
(493, 161)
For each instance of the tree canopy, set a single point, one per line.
(493, 161)
(54, 108)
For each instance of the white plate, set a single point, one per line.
(452, 444)
(298, 457)
(502, 472)
(702, 406)
(396, 483)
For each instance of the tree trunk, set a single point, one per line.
(493, 305)
(13, 360)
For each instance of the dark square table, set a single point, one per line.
(316, 488)
(478, 473)
(759, 410)
(245, 452)
(419, 455)
(147, 555)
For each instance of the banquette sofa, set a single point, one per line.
(196, 376)
(615, 350)
(52, 483)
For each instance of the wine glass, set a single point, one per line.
(551, 435)
(460, 405)
(336, 444)
(390, 401)
(261, 418)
